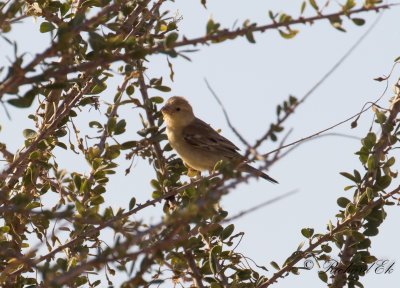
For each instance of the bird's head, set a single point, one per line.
(177, 112)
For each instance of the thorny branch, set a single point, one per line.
(17, 167)
(326, 237)
(347, 252)
(19, 78)
(226, 34)
(194, 270)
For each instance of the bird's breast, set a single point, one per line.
(194, 157)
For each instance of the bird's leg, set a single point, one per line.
(193, 173)
(211, 172)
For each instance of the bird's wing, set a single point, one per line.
(201, 136)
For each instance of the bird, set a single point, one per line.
(197, 143)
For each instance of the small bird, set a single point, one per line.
(199, 145)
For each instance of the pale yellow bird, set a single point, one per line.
(199, 145)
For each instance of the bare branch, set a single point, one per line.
(194, 270)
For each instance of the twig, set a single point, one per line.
(193, 269)
(6, 154)
(331, 127)
(226, 34)
(226, 116)
(261, 205)
(322, 80)
(314, 138)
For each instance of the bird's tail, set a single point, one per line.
(249, 169)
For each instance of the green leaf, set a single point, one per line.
(216, 250)
(358, 21)
(326, 248)
(275, 265)
(210, 26)
(99, 189)
(84, 187)
(29, 133)
(380, 117)
(111, 124)
(130, 90)
(154, 183)
(372, 163)
(60, 133)
(288, 35)
(132, 203)
(42, 145)
(303, 7)
(342, 202)
(350, 209)
(307, 232)
(190, 192)
(336, 22)
(244, 274)
(4, 229)
(77, 181)
(128, 145)
(46, 27)
(363, 153)
(389, 162)
(371, 231)
(79, 207)
(33, 205)
(370, 193)
(357, 176)
(349, 5)
(349, 176)
(366, 243)
(95, 123)
(26, 100)
(369, 141)
(250, 37)
(314, 4)
(383, 182)
(227, 231)
(171, 39)
(62, 145)
(157, 99)
(97, 200)
(96, 41)
(213, 263)
(322, 275)
(34, 155)
(120, 127)
(64, 8)
(162, 88)
(156, 194)
(98, 88)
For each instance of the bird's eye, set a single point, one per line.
(178, 109)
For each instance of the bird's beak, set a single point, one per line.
(165, 110)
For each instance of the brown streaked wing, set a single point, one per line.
(202, 136)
